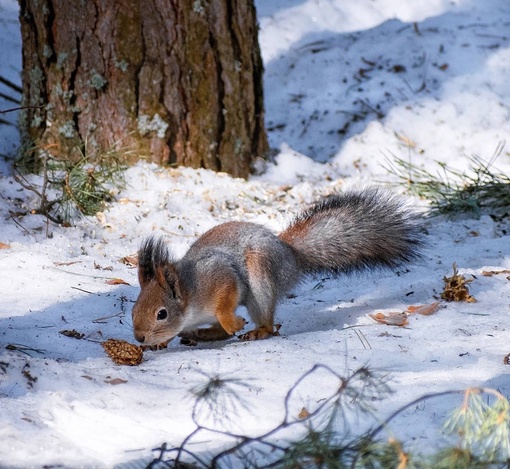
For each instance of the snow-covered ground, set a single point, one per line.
(347, 85)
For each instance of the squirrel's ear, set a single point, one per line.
(144, 275)
(167, 277)
(154, 264)
(152, 255)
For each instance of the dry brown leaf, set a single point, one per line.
(100, 267)
(115, 381)
(506, 359)
(303, 414)
(5, 246)
(73, 334)
(125, 200)
(131, 260)
(123, 353)
(116, 281)
(391, 319)
(425, 310)
(490, 273)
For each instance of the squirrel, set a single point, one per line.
(243, 263)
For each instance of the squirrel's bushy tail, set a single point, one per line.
(354, 231)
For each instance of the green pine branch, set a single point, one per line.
(481, 188)
(71, 189)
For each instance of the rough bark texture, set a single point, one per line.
(172, 81)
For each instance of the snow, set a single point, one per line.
(347, 85)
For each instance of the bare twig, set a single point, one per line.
(266, 444)
(24, 349)
(323, 445)
(13, 218)
(20, 108)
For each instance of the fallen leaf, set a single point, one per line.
(116, 281)
(115, 381)
(426, 310)
(100, 267)
(303, 414)
(131, 260)
(5, 246)
(506, 359)
(490, 273)
(391, 319)
(73, 333)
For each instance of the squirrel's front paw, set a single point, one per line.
(160, 346)
(260, 333)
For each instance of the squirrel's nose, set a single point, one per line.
(140, 338)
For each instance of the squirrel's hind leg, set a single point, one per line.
(259, 333)
(262, 296)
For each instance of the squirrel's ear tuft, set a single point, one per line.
(168, 279)
(152, 256)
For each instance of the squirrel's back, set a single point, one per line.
(342, 233)
(257, 257)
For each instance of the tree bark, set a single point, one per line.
(170, 81)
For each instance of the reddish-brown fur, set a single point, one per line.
(225, 299)
(298, 231)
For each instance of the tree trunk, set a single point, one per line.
(170, 81)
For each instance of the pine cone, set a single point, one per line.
(122, 352)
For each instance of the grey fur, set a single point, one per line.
(356, 231)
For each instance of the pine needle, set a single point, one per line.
(482, 188)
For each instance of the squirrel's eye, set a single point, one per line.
(162, 314)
